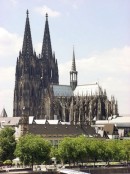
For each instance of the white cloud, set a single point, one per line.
(38, 47)
(14, 2)
(6, 89)
(111, 69)
(10, 43)
(6, 101)
(44, 9)
(113, 61)
(64, 70)
(73, 3)
(7, 74)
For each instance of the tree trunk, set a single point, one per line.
(32, 162)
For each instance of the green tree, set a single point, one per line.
(111, 151)
(95, 149)
(81, 147)
(116, 146)
(125, 149)
(55, 153)
(67, 150)
(7, 143)
(33, 149)
(74, 149)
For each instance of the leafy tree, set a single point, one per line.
(33, 149)
(95, 149)
(117, 149)
(125, 149)
(107, 151)
(67, 150)
(81, 147)
(7, 143)
(73, 149)
(55, 153)
(111, 151)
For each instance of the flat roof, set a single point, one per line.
(121, 121)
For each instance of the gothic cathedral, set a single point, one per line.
(38, 93)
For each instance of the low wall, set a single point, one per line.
(98, 170)
(109, 170)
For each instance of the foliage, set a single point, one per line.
(95, 149)
(73, 149)
(33, 149)
(55, 153)
(125, 149)
(7, 143)
(67, 149)
(80, 149)
(7, 162)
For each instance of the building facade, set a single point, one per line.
(37, 90)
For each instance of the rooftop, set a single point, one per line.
(88, 89)
(62, 90)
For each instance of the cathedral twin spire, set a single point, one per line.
(46, 53)
(46, 45)
(33, 73)
(27, 48)
(27, 41)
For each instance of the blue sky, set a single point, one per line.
(98, 29)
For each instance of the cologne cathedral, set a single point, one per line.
(38, 92)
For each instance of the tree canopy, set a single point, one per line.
(7, 143)
(33, 149)
(82, 149)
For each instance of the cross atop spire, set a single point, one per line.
(73, 62)
(27, 41)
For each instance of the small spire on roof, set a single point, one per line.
(3, 113)
(73, 61)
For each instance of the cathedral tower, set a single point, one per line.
(48, 61)
(26, 77)
(34, 75)
(73, 73)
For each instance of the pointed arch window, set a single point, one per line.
(32, 92)
(21, 91)
(31, 70)
(51, 73)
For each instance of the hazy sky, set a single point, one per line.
(98, 29)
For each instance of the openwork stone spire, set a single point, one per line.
(46, 46)
(73, 62)
(27, 41)
(73, 73)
